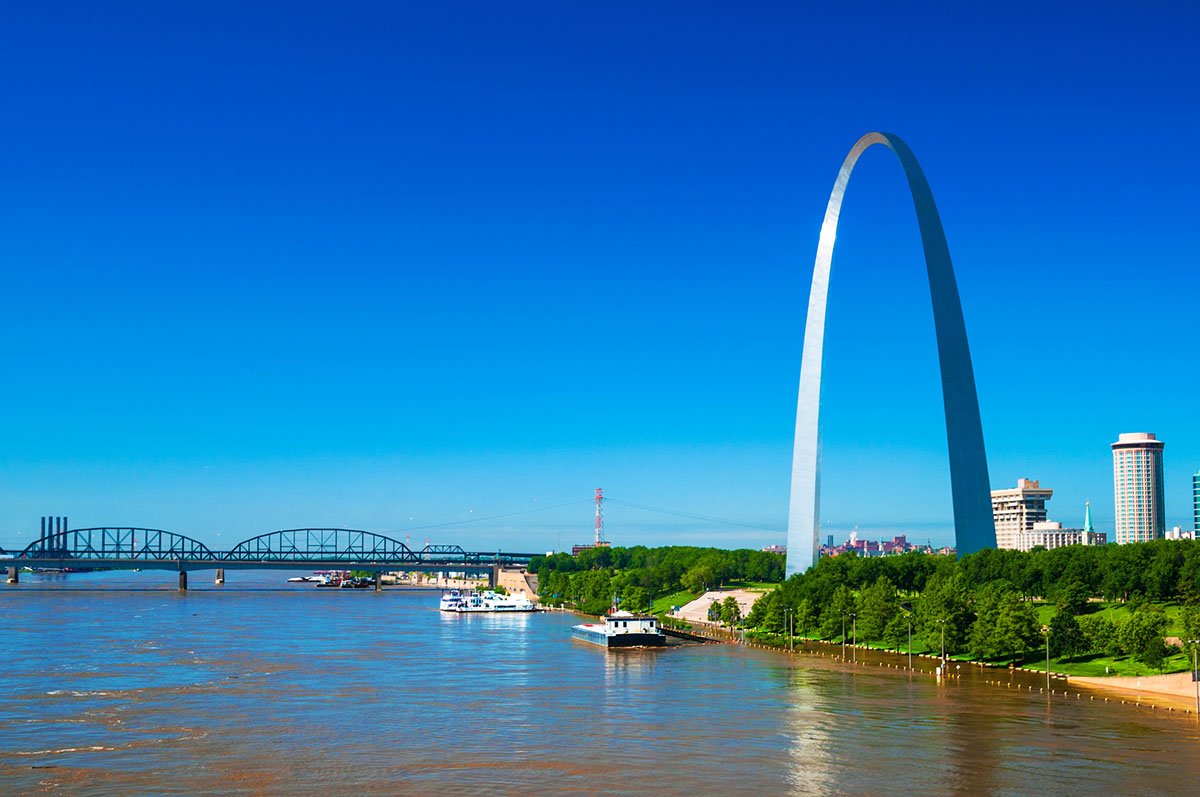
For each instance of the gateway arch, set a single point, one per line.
(973, 525)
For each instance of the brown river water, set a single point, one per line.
(113, 683)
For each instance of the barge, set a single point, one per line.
(622, 630)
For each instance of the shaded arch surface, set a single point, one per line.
(321, 545)
(969, 484)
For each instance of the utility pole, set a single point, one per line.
(1195, 673)
(906, 607)
(943, 623)
(854, 631)
(1046, 631)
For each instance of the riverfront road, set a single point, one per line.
(288, 549)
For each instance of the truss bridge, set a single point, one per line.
(288, 549)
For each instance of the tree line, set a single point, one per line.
(982, 604)
(638, 574)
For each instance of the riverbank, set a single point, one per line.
(1172, 693)
(1176, 689)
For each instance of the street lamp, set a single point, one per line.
(854, 632)
(942, 622)
(1046, 631)
(907, 609)
(1195, 673)
(843, 636)
(787, 614)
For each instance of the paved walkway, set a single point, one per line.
(697, 610)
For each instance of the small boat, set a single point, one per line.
(356, 583)
(468, 602)
(622, 630)
(306, 579)
(451, 600)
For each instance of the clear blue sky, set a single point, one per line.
(391, 265)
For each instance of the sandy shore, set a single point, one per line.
(1176, 689)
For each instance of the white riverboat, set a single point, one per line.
(622, 630)
(469, 601)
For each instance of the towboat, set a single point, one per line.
(622, 629)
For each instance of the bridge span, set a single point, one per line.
(288, 549)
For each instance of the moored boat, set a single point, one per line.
(468, 601)
(622, 630)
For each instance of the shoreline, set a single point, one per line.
(1174, 692)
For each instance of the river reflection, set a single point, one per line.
(249, 689)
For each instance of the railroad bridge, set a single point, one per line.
(322, 549)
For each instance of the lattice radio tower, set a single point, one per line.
(600, 517)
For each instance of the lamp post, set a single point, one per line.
(1046, 631)
(787, 613)
(843, 636)
(942, 623)
(1195, 673)
(854, 633)
(906, 607)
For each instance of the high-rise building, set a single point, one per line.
(1196, 501)
(1016, 510)
(1138, 487)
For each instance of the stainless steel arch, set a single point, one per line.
(969, 484)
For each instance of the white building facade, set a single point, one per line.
(1138, 488)
(1017, 509)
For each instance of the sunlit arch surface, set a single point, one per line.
(969, 484)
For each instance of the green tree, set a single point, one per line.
(1141, 634)
(895, 635)
(834, 617)
(731, 611)
(714, 611)
(1100, 634)
(806, 617)
(1073, 598)
(984, 639)
(1190, 619)
(636, 599)
(945, 606)
(1017, 625)
(877, 607)
(1067, 639)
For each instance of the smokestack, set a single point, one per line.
(42, 538)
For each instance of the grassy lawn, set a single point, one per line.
(664, 604)
(1095, 666)
(1118, 613)
(758, 586)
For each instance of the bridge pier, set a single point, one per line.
(220, 575)
(183, 581)
(493, 576)
(13, 578)
(378, 581)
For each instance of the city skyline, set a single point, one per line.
(243, 299)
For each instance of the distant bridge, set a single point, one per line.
(322, 549)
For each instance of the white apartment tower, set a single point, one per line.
(1016, 510)
(1138, 487)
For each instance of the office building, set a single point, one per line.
(1196, 502)
(1050, 534)
(1138, 488)
(1017, 509)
